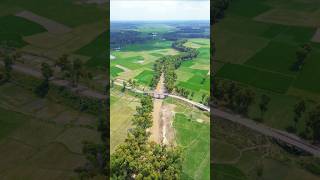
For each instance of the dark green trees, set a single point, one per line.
(168, 64)
(8, 62)
(138, 158)
(43, 88)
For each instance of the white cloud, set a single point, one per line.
(159, 10)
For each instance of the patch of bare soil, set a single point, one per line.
(316, 36)
(156, 129)
(166, 120)
(50, 25)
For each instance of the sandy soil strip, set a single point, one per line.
(123, 68)
(50, 25)
(155, 129)
(316, 36)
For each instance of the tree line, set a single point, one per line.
(238, 98)
(168, 64)
(139, 158)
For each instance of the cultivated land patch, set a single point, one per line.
(290, 17)
(275, 57)
(193, 75)
(65, 12)
(193, 137)
(50, 25)
(37, 139)
(13, 29)
(255, 77)
(120, 122)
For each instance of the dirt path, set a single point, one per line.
(156, 129)
(167, 131)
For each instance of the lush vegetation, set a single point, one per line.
(139, 158)
(168, 64)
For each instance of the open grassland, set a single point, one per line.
(122, 108)
(39, 138)
(192, 134)
(239, 153)
(193, 137)
(97, 50)
(194, 75)
(257, 48)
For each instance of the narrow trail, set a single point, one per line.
(156, 114)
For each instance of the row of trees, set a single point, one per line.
(138, 158)
(168, 64)
(301, 54)
(232, 95)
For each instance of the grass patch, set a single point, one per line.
(276, 56)
(256, 78)
(227, 172)
(66, 11)
(194, 137)
(145, 77)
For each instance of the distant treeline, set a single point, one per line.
(168, 64)
(122, 38)
(219, 7)
(185, 34)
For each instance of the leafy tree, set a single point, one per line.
(8, 62)
(124, 85)
(63, 62)
(43, 88)
(138, 158)
(299, 109)
(263, 105)
(112, 83)
(313, 123)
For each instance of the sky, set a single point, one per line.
(155, 10)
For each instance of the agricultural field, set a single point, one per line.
(257, 47)
(136, 61)
(43, 32)
(192, 131)
(195, 75)
(242, 154)
(40, 137)
(133, 56)
(120, 122)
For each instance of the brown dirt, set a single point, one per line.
(167, 131)
(155, 129)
